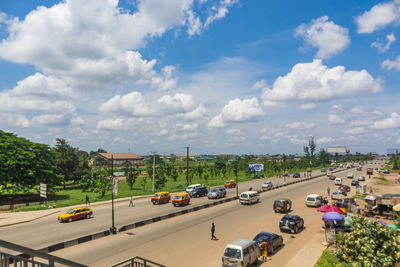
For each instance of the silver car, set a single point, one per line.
(361, 178)
(217, 192)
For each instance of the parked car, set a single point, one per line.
(292, 223)
(217, 192)
(342, 191)
(274, 241)
(181, 199)
(385, 171)
(350, 175)
(331, 169)
(267, 185)
(332, 177)
(160, 197)
(359, 169)
(313, 200)
(338, 181)
(323, 170)
(340, 194)
(76, 214)
(282, 205)
(241, 252)
(230, 184)
(361, 178)
(192, 187)
(355, 183)
(344, 187)
(249, 197)
(199, 192)
(296, 175)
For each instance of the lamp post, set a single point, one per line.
(113, 230)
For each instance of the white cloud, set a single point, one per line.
(300, 125)
(77, 121)
(391, 64)
(117, 124)
(327, 36)
(355, 131)
(384, 47)
(51, 120)
(179, 103)
(260, 85)
(335, 119)
(325, 140)
(79, 133)
(190, 126)
(398, 141)
(132, 104)
(392, 122)
(313, 82)
(163, 132)
(237, 110)
(196, 113)
(336, 108)
(379, 16)
(357, 109)
(219, 11)
(234, 131)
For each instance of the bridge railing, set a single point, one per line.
(137, 262)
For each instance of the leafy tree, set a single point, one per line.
(369, 244)
(131, 174)
(174, 174)
(66, 160)
(159, 179)
(24, 164)
(103, 182)
(324, 157)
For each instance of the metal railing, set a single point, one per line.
(27, 259)
(137, 262)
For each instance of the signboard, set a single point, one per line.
(330, 235)
(336, 149)
(115, 186)
(43, 190)
(256, 167)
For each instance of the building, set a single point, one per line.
(120, 159)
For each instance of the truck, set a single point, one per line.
(370, 171)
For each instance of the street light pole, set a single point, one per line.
(113, 230)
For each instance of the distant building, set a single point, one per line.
(393, 151)
(120, 159)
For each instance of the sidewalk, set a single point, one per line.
(12, 218)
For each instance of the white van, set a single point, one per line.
(241, 252)
(249, 197)
(192, 187)
(338, 181)
(329, 173)
(313, 200)
(350, 175)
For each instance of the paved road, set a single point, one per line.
(48, 231)
(185, 240)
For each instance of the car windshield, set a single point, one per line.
(267, 183)
(214, 190)
(70, 212)
(260, 237)
(177, 197)
(156, 195)
(190, 187)
(279, 203)
(232, 253)
(244, 196)
(310, 199)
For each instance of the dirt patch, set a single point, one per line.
(380, 187)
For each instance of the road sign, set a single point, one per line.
(43, 190)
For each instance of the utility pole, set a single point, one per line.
(187, 165)
(154, 168)
(113, 230)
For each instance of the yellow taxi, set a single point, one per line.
(181, 199)
(160, 197)
(76, 214)
(230, 184)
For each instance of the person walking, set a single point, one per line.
(264, 246)
(87, 201)
(131, 202)
(358, 209)
(213, 231)
(329, 190)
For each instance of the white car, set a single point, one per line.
(350, 175)
(266, 185)
(338, 181)
(361, 178)
(192, 187)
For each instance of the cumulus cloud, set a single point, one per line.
(379, 16)
(132, 104)
(335, 119)
(300, 125)
(118, 124)
(237, 110)
(391, 64)
(179, 103)
(336, 108)
(190, 126)
(327, 36)
(355, 131)
(314, 82)
(325, 140)
(384, 47)
(392, 122)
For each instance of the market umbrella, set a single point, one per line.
(333, 216)
(329, 208)
(396, 207)
(372, 198)
(392, 225)
(382, 222)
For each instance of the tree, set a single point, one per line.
(174, 174)
(103, 183)
(24, 164)
(159, 178)
(66, 159)
(323, 157)
(131, 174)
(369, 244)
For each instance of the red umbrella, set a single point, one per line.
(329, 208)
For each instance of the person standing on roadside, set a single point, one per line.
(264, 246)
(131, 202)
(87, 201)
(329, 190)
(213, 231)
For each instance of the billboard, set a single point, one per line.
(336, 149)
(256, 167)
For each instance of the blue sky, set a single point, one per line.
(226, 76)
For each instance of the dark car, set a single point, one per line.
(355, 183)
(330, 169)
(323, 170)
(274, 241)
(386, 171)
(296, 175)
(199, 192)
(344, 187)
(282, 205)
(292, 223)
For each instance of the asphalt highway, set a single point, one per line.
(185, 240)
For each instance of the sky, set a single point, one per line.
(218, 76)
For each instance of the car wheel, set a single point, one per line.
(87, 216)
(154, 202)
(296, 230)
(70, 220)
